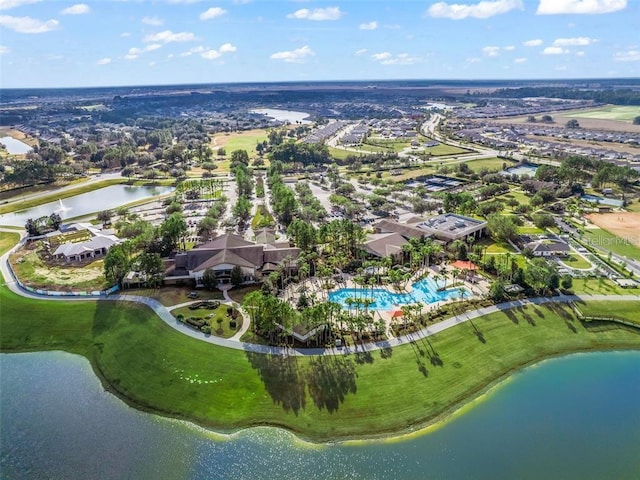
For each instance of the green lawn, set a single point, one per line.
(576, 261)
(8, 240)
(489, 163)
(156, 368)
(529, 230)
(600, 286)
(622, 310)
(496, 247)
(609, 112)
(444, 149)
(170, 296)
(599, 236)
(246, 140)
(262, 218)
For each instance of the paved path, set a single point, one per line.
(165, 315)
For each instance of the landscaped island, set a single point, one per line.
(152, 367)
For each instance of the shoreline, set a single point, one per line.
(429, 425)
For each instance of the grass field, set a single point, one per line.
(246, 140)
(600, 237)
(444, 149)
(599, 286)
(170, 296)
(576, 261)
(621, 310)
(489, 163)
(8, 240)
(609, 112)
(155, 368)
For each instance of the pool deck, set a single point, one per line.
(313, 287)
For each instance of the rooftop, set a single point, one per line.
(452, 224)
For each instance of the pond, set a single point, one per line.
(283, 115)
(86, 203)
(15, 147)
(574, 417)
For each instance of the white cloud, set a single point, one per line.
(152, 47)
(77, 9)
(210, 54)
(520, 60)
(573, 42)
(135, 52)
(153, 21)
(4, 50)
(7, 4)
(474, 60)
(168, 36)
(381, 56)
(491, 51)
(213, 12)
(580, 53)
(125, 34)
(369, 26)
(104, 61)
(227, 48)
(532, 43)
(191, 51)
(28, 24)
(386, 58)
(362, 51)
(632, 55)
(555, 7)
(317, 14)
(483, 9)
(509, 48)
(299, 55)
(554, 51)
(182, 1)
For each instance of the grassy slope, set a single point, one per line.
(8, 240)
(153, 366)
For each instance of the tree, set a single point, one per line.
(237, 276)
(209, 280)
(573, 123)
(636, 121)
(496, 292)
(543, 221)
(502, 227)
(206, 228)
(105, 216)
(547, 119)
(150, 265)
(116, 264)
(173, 229)
(55, 221)
(566, 282)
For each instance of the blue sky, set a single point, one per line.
(47, 43)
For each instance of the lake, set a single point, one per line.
(575, 417)
(283, 115)
(15, 147)
(105, 198)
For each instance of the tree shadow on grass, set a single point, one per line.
(282, 379)
(330, 380)
(478, 333)
(386, 351)
(420, 354)
(524, 313)
(511, 316)
(363, 357)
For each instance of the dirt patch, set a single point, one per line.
(625, 225)
(222, 139)
(560, 119)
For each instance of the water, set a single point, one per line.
(283, 115)
(86, 203)
(15, 147)
(575, 417)
(614, 202)
(424, 291)
(522, 170)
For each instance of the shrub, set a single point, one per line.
(206, 330)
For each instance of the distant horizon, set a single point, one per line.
(462, 81)
(109, 43)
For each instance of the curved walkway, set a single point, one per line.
(165, 315)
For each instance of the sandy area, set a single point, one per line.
(625, 224)
(615, 147)
(587, 123)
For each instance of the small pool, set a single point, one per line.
(424, 291)
(614, 202)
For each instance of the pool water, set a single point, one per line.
(424, 291)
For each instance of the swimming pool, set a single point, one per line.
(424, 291)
